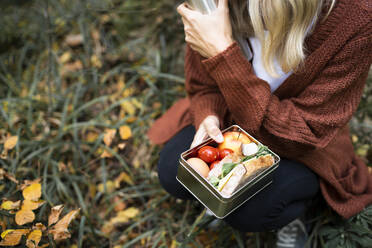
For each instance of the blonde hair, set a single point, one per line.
(286, 21)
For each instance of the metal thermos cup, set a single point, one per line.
(204, 6)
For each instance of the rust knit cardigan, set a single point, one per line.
(306, 118)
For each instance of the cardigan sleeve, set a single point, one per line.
(202, 90)
(308, 121)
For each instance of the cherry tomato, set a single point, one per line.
(208, 154)
(214, 164)
(224, 152)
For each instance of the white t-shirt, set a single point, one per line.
(258, 67)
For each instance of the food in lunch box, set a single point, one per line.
(234, 140)
(224, 152)
(249, 149)
(236, 169)
(213, 164)
(208, 154)
(199, 166)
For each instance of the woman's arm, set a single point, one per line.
(311, 119)
(204, 94)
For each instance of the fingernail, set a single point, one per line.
(219, 138)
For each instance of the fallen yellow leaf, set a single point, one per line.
(3, 234)
(125, 215)
(119, 204)
(65, 57)
(110, 187)
(10, 142)
(131, 119)
(106, 154)
(39, 226)
(59, 230)
(24, 216)
(12, 237)
(74, 39)
(3, 174)
(9, 205)
(32, 192)
(28, 183)
(54, 214)
(128, 107)
(123, 177)
(137, 103)
(95, 61)
(33, 239)
(107, 228)
(32, 205)
(91, 137)
(122, 146)
(109, 136)
(125, 132)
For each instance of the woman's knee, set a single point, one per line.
(167, 171)
(168, 163)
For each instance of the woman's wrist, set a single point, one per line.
(222, 46)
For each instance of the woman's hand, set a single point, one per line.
(208, 128)
(207, 34)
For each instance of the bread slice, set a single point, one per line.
(256, 165)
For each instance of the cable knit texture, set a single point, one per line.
(306, 118)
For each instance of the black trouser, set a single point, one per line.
(287, 198)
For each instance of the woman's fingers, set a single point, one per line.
(211, 125)
(199, 137)
(184, 11)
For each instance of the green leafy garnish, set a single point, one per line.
(227, 167)
(262, 151)
(214, 181)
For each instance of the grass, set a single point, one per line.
(125, 68)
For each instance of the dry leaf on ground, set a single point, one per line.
(128, 107)
(106, 154)
(123, 177)
(109, 136)
(74, 39)
(12, 237)
(2, 225)
(24, 216)
(10, 142)
(65, 57)
(125, 132)
(27, 183)
(122, 146)
(32, 205)
(32, 192)
(110, 187)
(54, 215)
(39, 226)
(9, 205)
(59, 230)
(33, 239)
(3, 174)
(125, 215)
(119, 204)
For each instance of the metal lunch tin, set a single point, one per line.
(208, 195)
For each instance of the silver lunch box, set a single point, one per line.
(208, 195)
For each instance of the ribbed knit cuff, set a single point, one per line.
(231, 53)
(205, 105)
